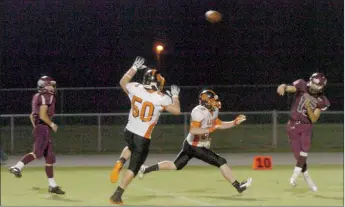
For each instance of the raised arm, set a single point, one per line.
(175, 107)
(127, 77)
(286, 88)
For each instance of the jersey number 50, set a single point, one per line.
(142, 112)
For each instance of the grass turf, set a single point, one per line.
(193, 186)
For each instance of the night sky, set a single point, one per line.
(92, 43)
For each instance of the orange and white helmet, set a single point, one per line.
(210, 100)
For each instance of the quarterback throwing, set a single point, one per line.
(305, 111)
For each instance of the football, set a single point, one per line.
(213, 16)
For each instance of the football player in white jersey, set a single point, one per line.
(147, 103)
(204, 120)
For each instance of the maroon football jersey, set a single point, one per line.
(40, 99)
(298, 110)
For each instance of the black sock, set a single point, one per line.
(304, 168)
(236, 184)
(123, 160)
(152, 168)
(301, 161)
(119, 191)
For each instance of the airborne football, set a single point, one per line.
(213, 16)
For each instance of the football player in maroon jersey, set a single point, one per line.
(305, 111)
(43, 108)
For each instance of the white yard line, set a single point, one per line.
(159, 192)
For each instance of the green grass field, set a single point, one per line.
(194, 186)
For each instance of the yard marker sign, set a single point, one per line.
(262, 163)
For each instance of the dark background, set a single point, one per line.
(92, 43)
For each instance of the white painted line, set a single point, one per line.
(159, 192)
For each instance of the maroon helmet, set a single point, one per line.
(44, 82)
(316, 83)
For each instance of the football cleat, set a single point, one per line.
(56, 190)
(142, 171)
(115, 199)
(15, 171)
(114, 176)
(244, 185)
(310, 182)
(293, 182)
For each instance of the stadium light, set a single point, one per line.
(159, 48)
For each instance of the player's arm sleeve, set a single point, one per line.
(218, 122)
(196, 119)
(130, 87)
(195, 125)
(300, 85)
(46, 99)
(43, 100)
(166, 101)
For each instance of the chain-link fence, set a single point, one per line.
(102, 133)
(113, 99)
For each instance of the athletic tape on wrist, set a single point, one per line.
(134, 68)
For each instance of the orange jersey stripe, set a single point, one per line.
(195, 124)
(218, 121)
(149, 131)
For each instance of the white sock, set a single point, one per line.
(309, 181)
(52, 182)
(296, 173)
(20, 165)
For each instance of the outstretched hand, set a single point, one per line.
(240, 118)
(138, 63)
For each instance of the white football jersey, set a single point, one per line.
(146, 108)
(206, 119)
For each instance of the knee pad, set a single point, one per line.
(134, 168)
(136, 161)
(179, 166)
(303, 153)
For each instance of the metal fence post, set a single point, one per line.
(185, 124)
(12, 134)
(99, 134)
(61, 101)
(274, 129)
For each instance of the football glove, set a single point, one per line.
(175, 91)
(239, 119)
(139, 63)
